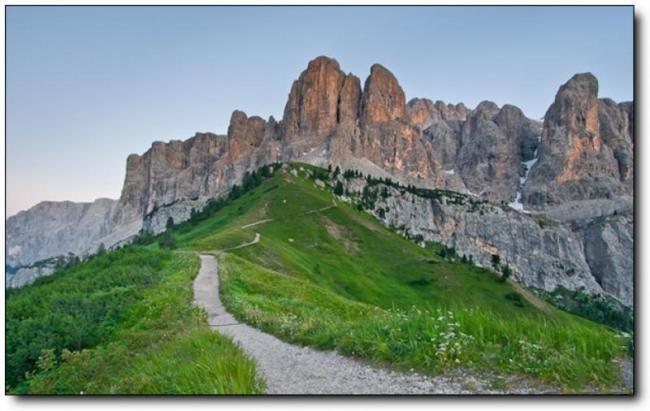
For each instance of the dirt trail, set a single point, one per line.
(242, 245)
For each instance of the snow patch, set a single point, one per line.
(450, 172)
(517, 205)
(529, 165)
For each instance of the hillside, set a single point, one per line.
(320, 272)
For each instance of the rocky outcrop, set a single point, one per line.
(383, 98)
(615, 122)
(609, 250)
(586, 148)
(172, 171)
(244, 134)
(53, 228)
(27, 275)
(490, 154)
(424, 113)
(313, 106)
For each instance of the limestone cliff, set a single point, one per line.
(586, 148)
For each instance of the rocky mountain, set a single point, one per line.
(586, 149)
(56, 228)
(577, 164)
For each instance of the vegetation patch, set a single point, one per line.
(121, 323)
(600, 308)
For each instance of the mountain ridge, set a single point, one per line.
(490, 152)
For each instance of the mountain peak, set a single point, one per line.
(383, 98)
(321, 61)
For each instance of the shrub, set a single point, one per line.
(515, 298)
(506, 272)
(338, 189)
(496, 260)
(167, 241)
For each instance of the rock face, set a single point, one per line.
(172, 171)
(586, 148)
(594, 255)
(313, 106)
(57, 228)
(609, 250)
(489, 159)
(383, 98)
(29, 274)
(574, 170)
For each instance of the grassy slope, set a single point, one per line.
(337, 278)
(155, 343)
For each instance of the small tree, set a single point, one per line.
(101, 250)
(337, 171)
(443, 252)
(167, 241)
(338, 190)
(506, 272)
(496, 260)
(170, 223)
(235, 192)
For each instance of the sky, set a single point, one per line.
(87, 86)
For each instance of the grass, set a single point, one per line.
(160, 344)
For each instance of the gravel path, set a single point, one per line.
(290, 369)
(254, 241)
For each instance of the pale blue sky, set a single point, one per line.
(86, 86)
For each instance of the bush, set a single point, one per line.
(167, 241)
(506, 272)
(144, 236)
(600, 308)
(338, 189)
(515, 298)
(496, 260)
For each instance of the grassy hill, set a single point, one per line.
(328, 275)
(323, 274)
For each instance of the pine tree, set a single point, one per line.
(338, 190)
